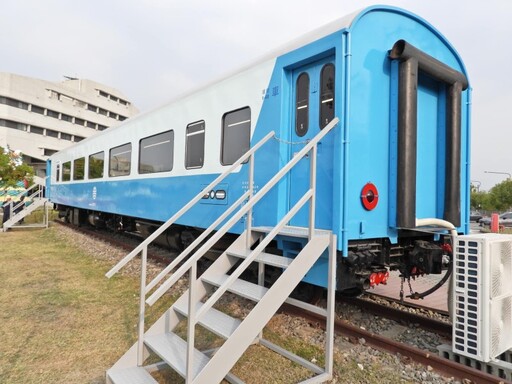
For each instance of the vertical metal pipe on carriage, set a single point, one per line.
(413, 60)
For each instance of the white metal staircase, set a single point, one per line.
(33, 199)
(196, 305)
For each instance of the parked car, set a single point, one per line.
(475, 216)
(505, 219)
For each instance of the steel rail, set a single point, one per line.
(437, 326)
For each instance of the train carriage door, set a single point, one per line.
(312, 109)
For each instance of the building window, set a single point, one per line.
(65, 117)
(37, 109)
(122, 118)
(156, 153)
(302, 104)
(78, 168)
(104, 94)
(49, 152)
(51, 113)
(123, 102)
(236, 135)
(36, 130)
(52, 133)
(13, 125)
(77, 139)
(96, 162)
(194, 151)
(13, 102)
(79, 121)
(66, 171)
(102, 111)
(91, 107)
(80, 103)
(65, 136)
(102, 127)
(91, 125)
(120, 160)
(112, 115)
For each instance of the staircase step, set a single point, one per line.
(242, 288)
(213, 320)
(266, 258)
(132, 375)
(173, 350)
(292, 231)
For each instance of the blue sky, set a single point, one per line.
(154, 50)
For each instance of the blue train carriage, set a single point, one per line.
(399, 152)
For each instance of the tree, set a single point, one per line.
(12, 168)
(480, 200)
(500, 196)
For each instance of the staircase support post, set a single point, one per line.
(331, 302)
(312, 187)
(142, 306)
(250, 186)
(191, 322)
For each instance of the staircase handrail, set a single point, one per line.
(189, 205)
(31, 195)
(253, 200)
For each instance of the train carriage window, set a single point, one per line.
(120, 160)
(156, 153)
(302, 105)
(194, 151)
(96, 163)
(78, 168)
(327, 95)
(66, 171)
(57, 172)
(236, 135)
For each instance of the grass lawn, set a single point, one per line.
(61, 321)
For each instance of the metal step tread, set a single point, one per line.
(266, 258)
(292, 231)
(240, 287)
(214, 320)
(132, 375)
(173, 350)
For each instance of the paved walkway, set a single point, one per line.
(437, 300)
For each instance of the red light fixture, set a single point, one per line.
(369, 196)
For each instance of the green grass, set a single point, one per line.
(62, 321)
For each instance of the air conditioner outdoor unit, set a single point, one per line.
(482, 296)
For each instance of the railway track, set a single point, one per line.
(440, 327)
(126, 242)
(408, 304)
(439, 364)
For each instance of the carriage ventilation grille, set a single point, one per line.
(483, 296)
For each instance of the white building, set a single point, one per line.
(39, 117)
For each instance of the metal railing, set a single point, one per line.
(35, 192)
(190, 265)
